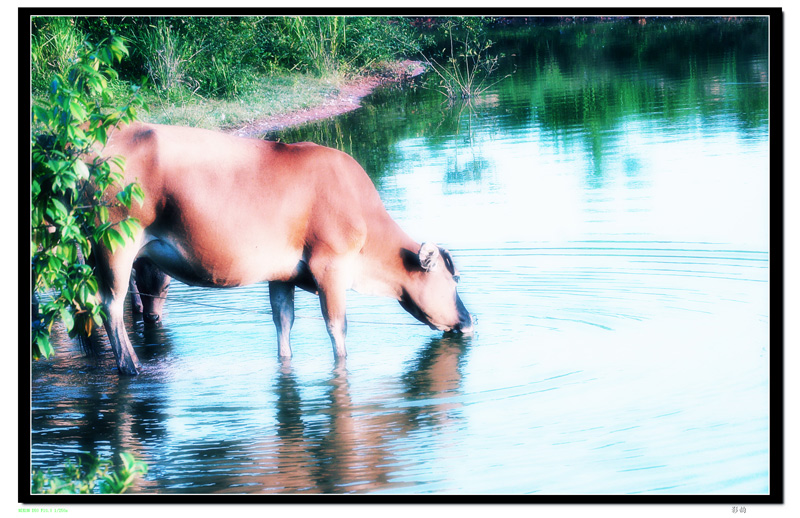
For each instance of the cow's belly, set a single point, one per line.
(223, 266)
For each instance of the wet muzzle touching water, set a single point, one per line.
(466, 320)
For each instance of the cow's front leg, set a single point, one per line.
(281, 298)
(127, 361)
(332, 280)
(333, 311)
(114, 272)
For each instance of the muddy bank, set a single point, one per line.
(347, 98)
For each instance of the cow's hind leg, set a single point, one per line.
(152, 285)
(136, 300)
(114, 271)
(281, 297)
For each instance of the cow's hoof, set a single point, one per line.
(129, 370)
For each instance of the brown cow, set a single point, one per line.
(226, 211)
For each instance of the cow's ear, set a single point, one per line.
(428, 256)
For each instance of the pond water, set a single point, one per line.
(608, 207)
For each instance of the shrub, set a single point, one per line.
(92, 476)
(68, 210)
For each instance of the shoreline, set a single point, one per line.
(347, 99)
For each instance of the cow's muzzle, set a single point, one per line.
(466, 326)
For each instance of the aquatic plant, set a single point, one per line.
(465, 71)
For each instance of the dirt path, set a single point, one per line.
(346, 100)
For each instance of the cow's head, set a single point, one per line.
(431, 295)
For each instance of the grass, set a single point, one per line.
(264, 97)
(219, 73)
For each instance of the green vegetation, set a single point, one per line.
(337, 45)
(69, 207)
(226, 71)
(467, 66)
(222, 72)
(90, 477)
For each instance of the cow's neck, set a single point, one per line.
(384, 266)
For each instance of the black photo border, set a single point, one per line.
(776, 267)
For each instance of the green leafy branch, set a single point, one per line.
(92, 476)
(70, 207)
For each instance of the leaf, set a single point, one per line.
(118, 48)
(118, 161)
(56, 165)
(83, 294)
(138, 194)
(100, 135)
(114, 239)
(43, 346)
(41, 115)
(66, 316)
(77, 110)
(61, 211)
(127, 460)
(87, 326)
(99, 231)
(81, 170)
(124, 197)
(128, 228)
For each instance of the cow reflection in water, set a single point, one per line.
(326, 445)
(354, 449)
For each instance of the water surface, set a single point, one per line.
(608, 207)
